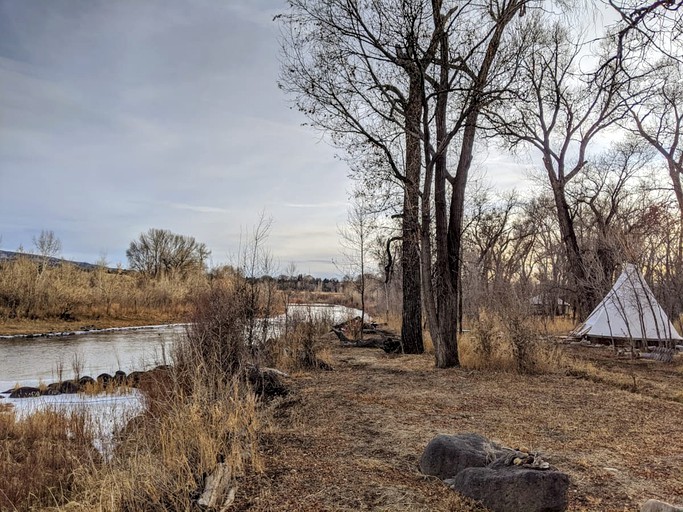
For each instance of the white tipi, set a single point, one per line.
(629, 311)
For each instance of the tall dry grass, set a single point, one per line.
(510, 341)
(68, 292)
(201, 414)
(41, 456)
(298, 346)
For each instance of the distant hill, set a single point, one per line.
(10, 255)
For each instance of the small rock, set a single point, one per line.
(659, 506)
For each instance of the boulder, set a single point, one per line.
(51, 390)
(104, 379)
(266, 382)
(659, 506)
(503, 479)
(68, 386)
(445, 456)
(86, 380)
(513, 488)
(133, 379)
(25, 392)
(120, 378)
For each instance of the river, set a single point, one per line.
(28, 361)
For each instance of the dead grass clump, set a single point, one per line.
(299, 346)
(40, 457)
(201, 415)
(509, 342)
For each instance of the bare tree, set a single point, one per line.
(255, 261)
(159, 253)
(559, 112)
(656, 114)
(646, 29)
(406, 79)
(48, 246)
(356, 238)
(356, 70)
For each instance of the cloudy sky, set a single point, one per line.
(119, 116)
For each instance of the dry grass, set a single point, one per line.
(66, 297)
(39, 458)
(164, 455)
(510, 343)
(351, 439)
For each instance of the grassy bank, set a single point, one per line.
(351, 438)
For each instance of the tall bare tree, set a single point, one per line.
(559, 112)
(356, 238)
(478, 56)
(48, 246)
(356, 70)
(656, 114)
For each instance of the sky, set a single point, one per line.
(121, 116)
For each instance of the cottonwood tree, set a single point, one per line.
(479, 50)
(385, 76)
(646, 30)
(605, 196)
(356, 69)
(159, 253)
(656, 115)
(559, 111)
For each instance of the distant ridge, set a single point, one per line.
(11, 255)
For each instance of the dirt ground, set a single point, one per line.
(350, 439)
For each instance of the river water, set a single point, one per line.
(28, 361)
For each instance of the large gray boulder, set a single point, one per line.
(513, 488)
(446, 456)
(503, 479)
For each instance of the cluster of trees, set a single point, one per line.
(412, 89)
(159, 253)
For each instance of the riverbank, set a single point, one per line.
(26, 327)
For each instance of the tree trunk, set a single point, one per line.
(585, 292)
(674, 172)
(411, 326)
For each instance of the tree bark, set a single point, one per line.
(411, 325)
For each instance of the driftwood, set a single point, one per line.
(663, 354)
(380, 339)
(218, 494)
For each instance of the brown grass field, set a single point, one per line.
(351, 439)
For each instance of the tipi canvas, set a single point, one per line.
(629, 312)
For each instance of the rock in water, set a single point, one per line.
(659, 506)
(445, 456)
(25, 392)
(511, 488)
